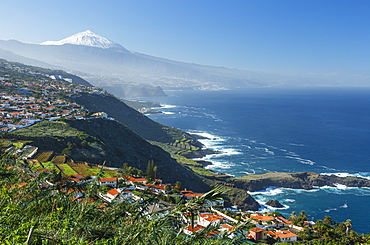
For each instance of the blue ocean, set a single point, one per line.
(258, 130)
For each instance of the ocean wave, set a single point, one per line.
(293, 154)
(247, 173)
(344, 206)
(339, 189)
(289, 200)
(206, 135)
(215, 142)
(329, 210)
(294, 144)
(167, 106)
(269, 191)
(301, 160)
(365, 175)
(266, 150)
(218, 164)
(168, 113)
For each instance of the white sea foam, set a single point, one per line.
(301, 160)
(168, 113)
(344, 206)
(364, 175)
(266, 150)
(291, 153)
(217, 164)
(296, 144)
(289, 200)
(330, 209)
(267, 208)
(216, 143)
(168, 106)
(341, 187)
(246, 172)
(269, 191)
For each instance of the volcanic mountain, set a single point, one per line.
(88, 38)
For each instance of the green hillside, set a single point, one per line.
(137, 122)
(101, 140)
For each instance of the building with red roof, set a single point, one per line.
(189, 230)
(108, 181)
(284, 236)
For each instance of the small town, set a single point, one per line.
(19, 109)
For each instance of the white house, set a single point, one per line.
(189, 230)
(284, 236)
(209, 219)
(108, 181)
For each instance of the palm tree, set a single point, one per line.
(292, 215)
(302, 213)
(348, 224)
(328, 220)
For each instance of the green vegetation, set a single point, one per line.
(51, 128)
(49, 165)
(51, 218)
(44, 156)
(270, 175)
(59, 159)
(66, 169)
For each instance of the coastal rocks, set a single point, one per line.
(302, 180)
(274, 203)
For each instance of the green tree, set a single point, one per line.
(150, 173)
(348, 224)
(178, 185)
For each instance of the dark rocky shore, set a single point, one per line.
(302, 180)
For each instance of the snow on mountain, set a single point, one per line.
(86, 38)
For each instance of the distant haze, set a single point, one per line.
(109, 65)
(311, 39)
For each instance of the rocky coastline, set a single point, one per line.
(302, 180)
(238, 187)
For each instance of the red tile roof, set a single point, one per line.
(257, 229)
(196, 228)
(228, 227)
(283, 234)
(113, 192)
(108, 179)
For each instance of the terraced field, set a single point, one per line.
(59, 159)
(44, 156)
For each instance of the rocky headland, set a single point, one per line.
(302, 180)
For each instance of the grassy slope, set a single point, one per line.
(100, 140)
(137, 122)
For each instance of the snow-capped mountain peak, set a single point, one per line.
(87, 38)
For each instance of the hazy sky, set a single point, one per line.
(329, 37)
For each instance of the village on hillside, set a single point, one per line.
(24, 102)
(19, 106)
(116, 186)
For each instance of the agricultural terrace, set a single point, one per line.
(70, 168)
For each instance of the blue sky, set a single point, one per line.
(315, 37)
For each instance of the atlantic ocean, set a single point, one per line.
(258, 130)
